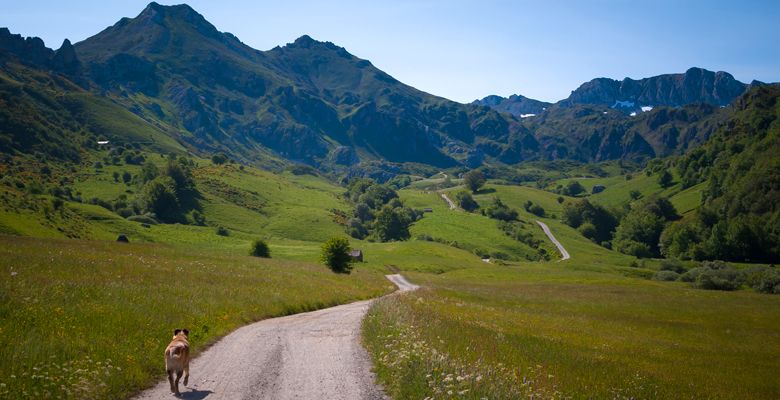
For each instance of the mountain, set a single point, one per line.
(308, 101)
(168, 79)
(696, 85)
(517, 105)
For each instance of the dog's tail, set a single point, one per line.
(176, 352)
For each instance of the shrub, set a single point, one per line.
(260, 249)
(718, 276)
(222, 231)
(763, 279)
(672, 265)
(465, 201)
(197, 218)
(691, 275)
(666, 276)
(219, 158)
(588, 230)
(536, 210)
(335, 255)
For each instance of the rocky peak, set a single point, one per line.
(65, 59)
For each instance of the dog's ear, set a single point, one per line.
(186, 332)
(176, 332)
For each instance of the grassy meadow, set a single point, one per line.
(90, 319)
(552, 331)
(594, 326)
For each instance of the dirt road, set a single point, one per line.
(449, 202)
(546, 229)
(314, 355)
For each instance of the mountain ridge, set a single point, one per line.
(313, 102)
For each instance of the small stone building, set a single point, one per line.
(357, 255)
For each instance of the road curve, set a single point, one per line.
(313, 355)
(546, 229)
(449, 202)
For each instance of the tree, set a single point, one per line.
(335, 254)
(665, 179)
(126, 177)
(465, 201)
(635, 194)
(115, 175)
(391, 224)
(159, 197)
(574, 188)
(219, 158)
(260, 249)
(149, 171)
(500, 211)
(474, 180)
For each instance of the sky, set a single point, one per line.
(468, 49)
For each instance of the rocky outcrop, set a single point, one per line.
(517, 105)
(694, 86)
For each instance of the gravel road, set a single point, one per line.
(314, 355)
(546, 229)
(450, 202)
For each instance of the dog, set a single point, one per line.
(177, 359)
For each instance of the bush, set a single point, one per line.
(500, 211)
(465, 201)
(691, 275)
(335, 254)
(222, 231)
(763, 279)
(219, 158)
(672, 265)
(588, 230)
(537, 210)
(666, 276)
(718, 276)
(260, 249)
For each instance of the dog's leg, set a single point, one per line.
(176, 385)
(186, 374)
(170, 380)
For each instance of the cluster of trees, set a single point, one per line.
(709, 235)
(639, 231)
(170, 192)
(535, 209)
(379, 214)
(636, 232)
(592, 220)
(739, 218)
(500, 211)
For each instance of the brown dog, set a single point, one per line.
(177, 359)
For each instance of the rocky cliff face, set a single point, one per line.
(694, 86)
(515, 104)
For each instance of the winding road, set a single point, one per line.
(313, 355)
(449, 202)
(546, 229)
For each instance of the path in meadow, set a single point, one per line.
(449, 202)
(314, 355)
(546, 229)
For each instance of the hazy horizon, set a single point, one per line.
(465, 50)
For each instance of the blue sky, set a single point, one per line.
(464, 49)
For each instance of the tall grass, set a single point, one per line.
(84, 319)
(557, 332)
